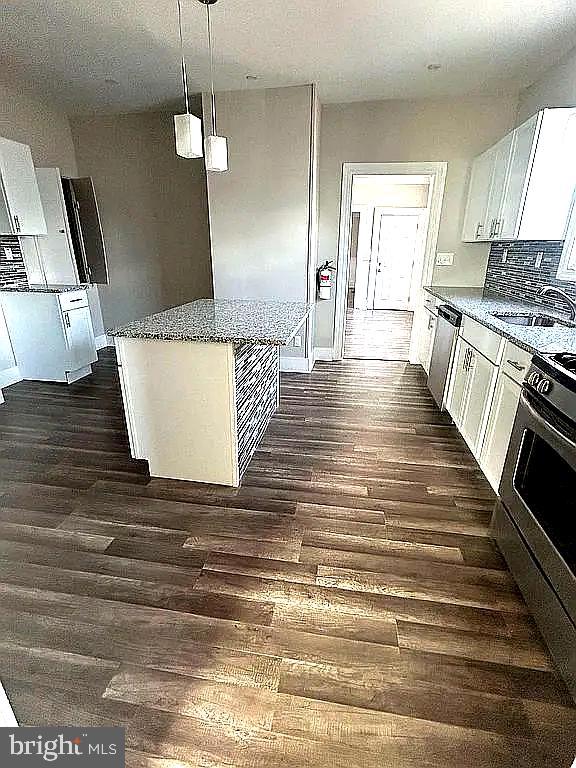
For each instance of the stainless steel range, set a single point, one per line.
(535, 521)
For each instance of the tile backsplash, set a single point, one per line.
(513, 271)
(12, 269)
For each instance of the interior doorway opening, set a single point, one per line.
(389, 217)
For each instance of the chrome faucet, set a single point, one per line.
(559, 292)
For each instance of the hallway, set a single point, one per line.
(344, 608)
(377, 334)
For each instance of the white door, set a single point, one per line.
(516, 182)
(475, 219)
(502, 152)
(393, 258)
(459, 381)
(80, 337)
(55, 247)
(481, 374)
(499, 429)
(21, 189)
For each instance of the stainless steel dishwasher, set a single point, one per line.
(444, 340)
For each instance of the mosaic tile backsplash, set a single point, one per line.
(12, 270)
(512, 271)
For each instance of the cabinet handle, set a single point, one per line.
(16, 223)
(498, 227)
(492, 228)
(479, 228)
(66, 319)
(516, 365)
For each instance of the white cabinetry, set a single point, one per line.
(499, 428)
(22, 212)
(51, 334)
(56, 249)
(471, 393)
(428, 338)
(521, 189)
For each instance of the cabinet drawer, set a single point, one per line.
(483, 339)
(73, 300)
(515, 362)
(431, 303)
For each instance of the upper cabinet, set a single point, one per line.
(567, 266)
(521, 189)
(21, 210)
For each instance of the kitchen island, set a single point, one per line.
(200, 383)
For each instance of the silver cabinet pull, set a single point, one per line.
(16, 223)
(516, 365)
(479, 228)
(492, 228)
(67, 319)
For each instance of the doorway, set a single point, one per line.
(389, 220)
(389, 217)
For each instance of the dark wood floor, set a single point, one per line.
(344, 608)
(377, 334)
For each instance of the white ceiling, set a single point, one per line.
(368, 49)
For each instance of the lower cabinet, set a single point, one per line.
(428, 339)
(471, 393)
(499, 428)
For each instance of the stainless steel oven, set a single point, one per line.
(535, 521)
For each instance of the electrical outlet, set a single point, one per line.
(504, 255)
(538, 262)
(8, 254)
(297, 341)
(444, 259)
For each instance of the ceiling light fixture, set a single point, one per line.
(215, 147)
(187, 127)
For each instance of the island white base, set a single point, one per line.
(197, 411)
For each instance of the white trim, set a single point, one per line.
(323, 353)
(103, 341)
(10, 376)
(438, 173)
(295, 364)
(7, 716)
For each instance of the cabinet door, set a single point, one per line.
(501, 164)
(518, 175)
(428, 340)
(21, 189)
(499, 428)
(475, 217)
(481, 373)
(55, 247)
(459, 381)
(79, 337)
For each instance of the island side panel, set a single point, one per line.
(257, 374)
(180, 402)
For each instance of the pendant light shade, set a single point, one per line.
(215, 147)
(187, 127)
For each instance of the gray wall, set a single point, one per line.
(153, 207)
(556, 88)
(452, 130)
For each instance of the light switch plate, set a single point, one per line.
(297, 341)
(444, 259)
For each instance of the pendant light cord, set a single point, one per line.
(184, 77)
(212, 97)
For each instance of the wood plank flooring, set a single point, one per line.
(345, 607)
(377, 334)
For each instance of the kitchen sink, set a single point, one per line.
(533, 320)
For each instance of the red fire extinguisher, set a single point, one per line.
(325, 277)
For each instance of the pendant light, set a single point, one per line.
(187, 127)
(215, 147)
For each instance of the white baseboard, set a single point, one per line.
(295, 364)
(323, 353)
(9, 376)
(104, 341)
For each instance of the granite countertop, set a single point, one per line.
(480, 305)
(41, 288)
(222, 321)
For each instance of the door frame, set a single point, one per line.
(385, 210)
(437, 172)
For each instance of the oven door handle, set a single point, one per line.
(550, 427)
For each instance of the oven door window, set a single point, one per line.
(546, 484)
